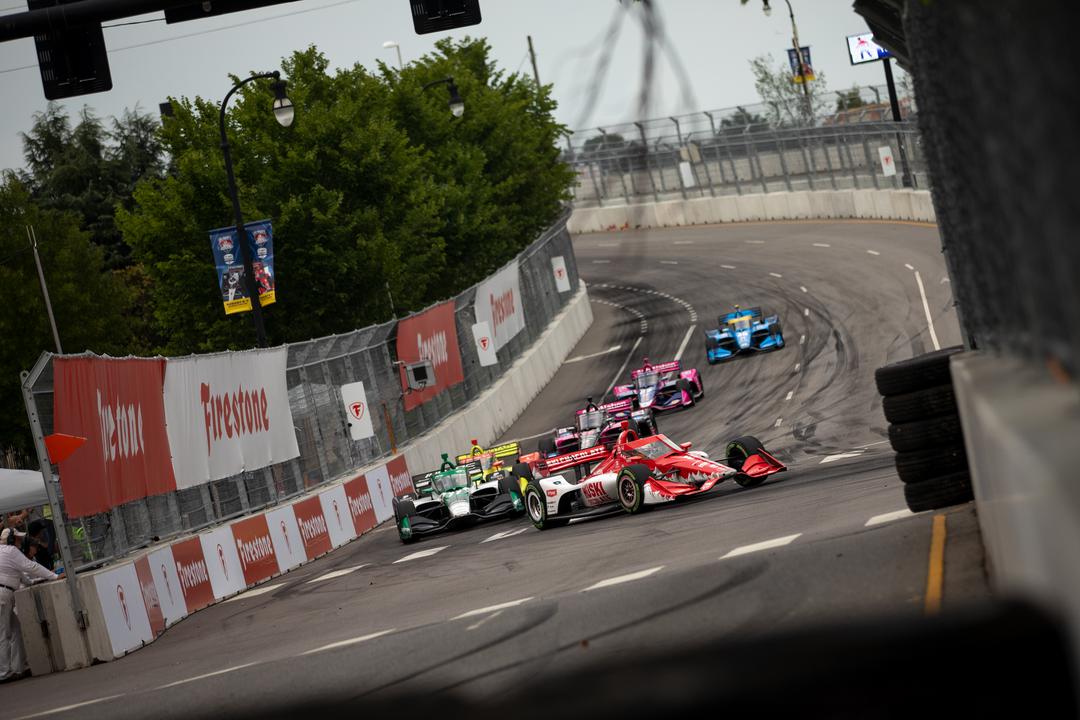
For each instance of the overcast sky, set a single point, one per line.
(714, 40)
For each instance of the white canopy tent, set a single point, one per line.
(21, 489)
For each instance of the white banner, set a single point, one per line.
(335, 507)
(888, 167)
(356, 407)
(123, 607)
(285, 533)
(378, 481)
(562, 278)
(222, 562)
(170, 594)
(498, 303)
(227, 413)
(485, 344)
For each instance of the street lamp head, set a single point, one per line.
(457, 105)
(766, 9)
(389, 44)
(283, 107)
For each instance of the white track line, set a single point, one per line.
(685, 340)
(601, 262)
(822, 245)
(888, 517)
(797, 366)
(802, 339)
(767, 545)
(779, 422)
(839, 456)
(478, 623)
(255, 593)
(728, 267)
(789, 395)
(421, 554)
(623, 366)
(926, 309)
(65, 708)
(776, 275)
(624, 578)
(872, 252)
(755, 242)
(684, 242)
(579, 358)
(508, 533)
(909, 266)
(669, 262)
(492, 608)
(335, 574)
(205, 675)
(806, 312)
(803, 288)
(607, 244)
(346, 643)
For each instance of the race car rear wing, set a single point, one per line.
(661, 368)
(546, 466)
(611, 407)
(499, 452)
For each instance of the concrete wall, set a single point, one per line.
(54, 641)
(910, 205)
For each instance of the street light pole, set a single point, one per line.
(396, 46)
(798, 54)
(283, 111)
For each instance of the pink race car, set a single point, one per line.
(662, 387)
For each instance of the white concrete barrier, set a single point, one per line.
(1020, 430)
(128, 603)
(905, 205)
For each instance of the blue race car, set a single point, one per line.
(742, 331)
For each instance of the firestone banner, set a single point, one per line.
(498, 303)
(117, 406)
(228, 413)
(431, 335)
(122, 605)
(230, 265)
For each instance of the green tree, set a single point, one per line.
(849, 99)
(89, 302)
(89, 169)
(742, 118)
(375, 185)
(785, 100)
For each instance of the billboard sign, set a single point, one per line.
(432, 336)
(498, 303)
(863, 49)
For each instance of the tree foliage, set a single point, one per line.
(89, 302)
(849, 99)
(785, 100)
(89, 169)
(375, 186)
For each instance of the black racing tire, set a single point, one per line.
(737, 451)
(685, 386)
(546, 446)
(939, 492)
(917, 373)
(920, 405)
(938, 432)
(630, 487)
(536, 508)
(403, 509)
(921, 465)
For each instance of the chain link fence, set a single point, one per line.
(746, 159)
(315, 373)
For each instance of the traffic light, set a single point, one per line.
(436, 15)
(72, 58)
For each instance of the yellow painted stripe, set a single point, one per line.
(936, 574)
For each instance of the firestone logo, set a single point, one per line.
(312, 527)
(192, 574)
(121, 430)
(242, 412)
(255, 551)
(502, 308)
(400, 482)
(360, 505)
(433, 348)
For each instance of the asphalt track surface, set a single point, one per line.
(481, 611)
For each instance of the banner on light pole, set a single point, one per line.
(229, 262)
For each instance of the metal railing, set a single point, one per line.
(316, 370)
(746, 159)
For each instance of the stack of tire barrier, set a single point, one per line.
(924, 430)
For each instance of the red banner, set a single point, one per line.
(150, 595)
(400, 480)
(431, 335)
(194, 577)
(117, 406)
(313, 530)
(255, 548)
(360, 508)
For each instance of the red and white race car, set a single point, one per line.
(633, 473)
